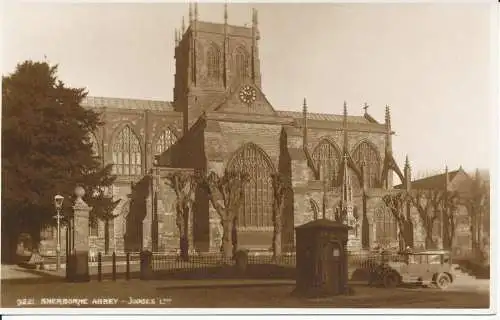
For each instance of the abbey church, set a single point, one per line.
(220, 118)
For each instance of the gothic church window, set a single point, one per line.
(256, 209)
(365, 154)
(93, 227)
(126, 153)
(165, 141)
(241, 64)
(327, 160)
(386, 229)
(48, 233)
(213, 63)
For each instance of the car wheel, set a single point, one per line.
(391, 280)
(442, 281)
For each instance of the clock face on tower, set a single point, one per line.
(248, 94)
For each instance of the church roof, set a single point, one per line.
(431, 183)
(134, 104)
(158, 105)
(322, 116)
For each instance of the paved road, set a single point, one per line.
(226, 293)
(465, 293)
(12, 272)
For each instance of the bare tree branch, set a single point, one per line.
(226, 193)
(184, 186)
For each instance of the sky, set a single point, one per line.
(432, 63)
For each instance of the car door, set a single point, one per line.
(414, 267)
(433, 265)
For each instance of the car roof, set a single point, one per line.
(432, 252)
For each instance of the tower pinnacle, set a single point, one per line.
(255, 19)
(388, 116)
(304, 125)
(225, 13)
(190, 13)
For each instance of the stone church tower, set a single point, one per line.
(211, 59)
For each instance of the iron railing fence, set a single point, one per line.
(210, 260)
(202, 265)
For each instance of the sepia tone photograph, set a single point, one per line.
(248, 155)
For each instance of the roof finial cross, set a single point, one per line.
(366, 106)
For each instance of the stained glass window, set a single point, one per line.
(48, 233)
(241, 64)
(165, 141)
(127, 153)
(366, 154)
(327, 159)
(386, 230)
(93, 227)
(213, 63)
(256, 209)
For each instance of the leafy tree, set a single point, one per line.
(46, 149)
(396, 202)
(280, 189)
(226, 193)
(184, 186)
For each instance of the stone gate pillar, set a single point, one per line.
(78, 266)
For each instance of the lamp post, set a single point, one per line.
(58, 201)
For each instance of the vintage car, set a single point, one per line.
(427, 268)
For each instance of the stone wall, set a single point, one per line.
(168, 234)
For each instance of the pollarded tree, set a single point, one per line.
(281, 187)
(396, 202)
(478, 207)
(103, 207)
(449, 203)
(226, 193)
(427, 204)
(184, 185)
(485, 218)
(46, 149)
